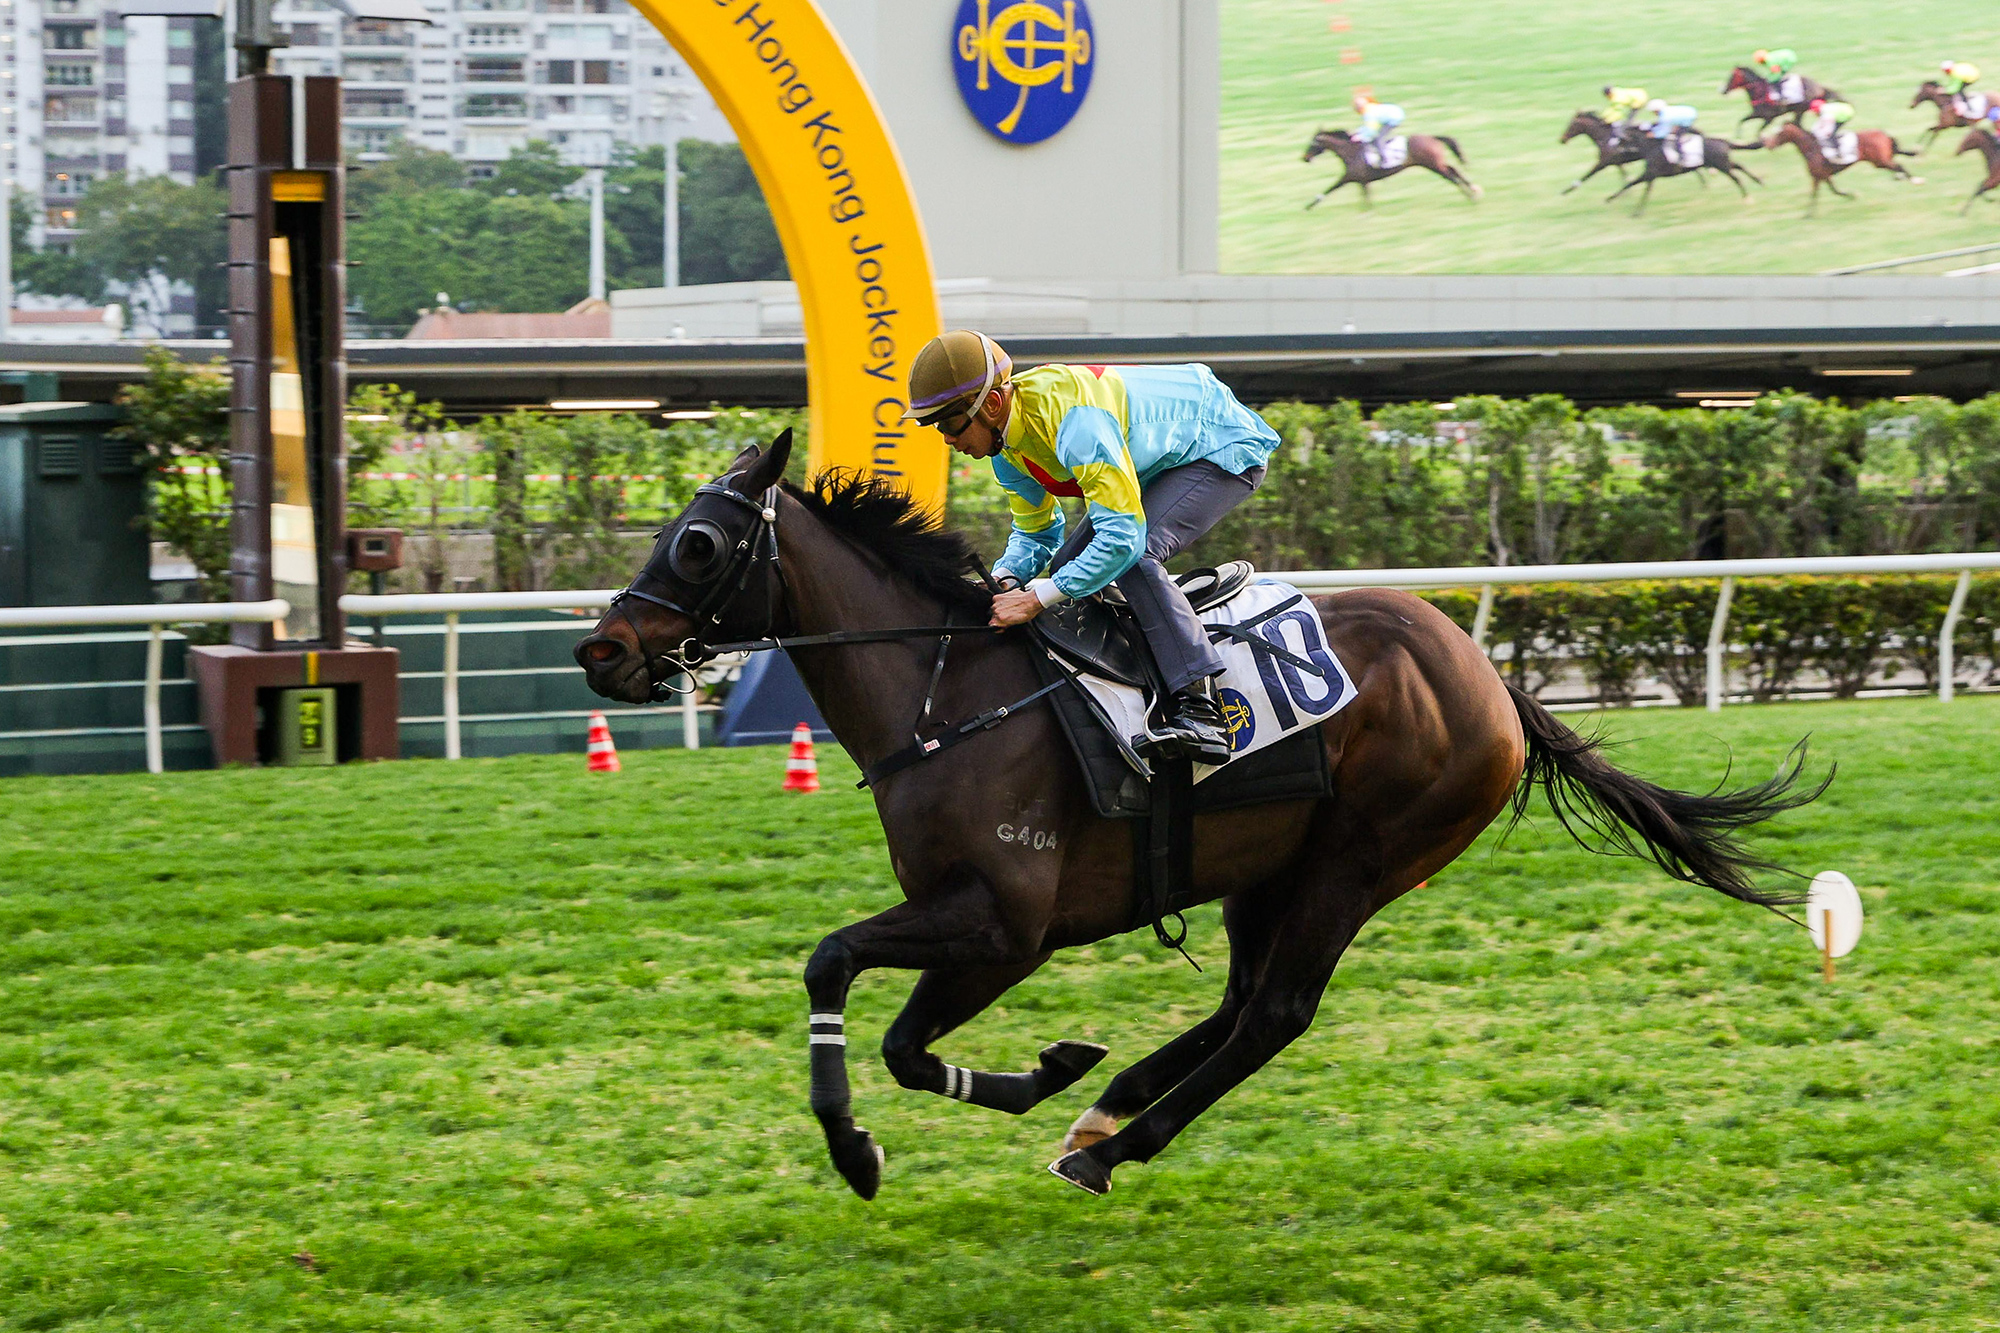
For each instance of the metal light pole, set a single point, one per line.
(596, 176)
(670, 249)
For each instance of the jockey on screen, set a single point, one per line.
(1669, 120)
(1158, 453)
(1832, 115)
(1777, 66)
(1622, 105)
(1377, 118)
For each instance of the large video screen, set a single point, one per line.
(1503, 82)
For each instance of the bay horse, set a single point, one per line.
(1617, 145)
(1982, 141)
(1714, 157)
(1878, 148)
(1425, 150)
(1767, 101)
(1950, 117)
(998, 852)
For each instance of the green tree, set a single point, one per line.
(726, 230)
(411, 169)
(46, 272)
(179, 415)
(535, 168)
(139, 236)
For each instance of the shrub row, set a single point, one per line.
(1842, 634)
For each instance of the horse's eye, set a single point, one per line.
(698, 551)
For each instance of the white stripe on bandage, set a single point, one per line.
(836, 1019)
(958, 1083)
(826, 1039)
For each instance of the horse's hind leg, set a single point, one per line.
(944, 999)
(1248, 920)
(1309, 934)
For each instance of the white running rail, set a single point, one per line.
(1962, 563)
(156, 618)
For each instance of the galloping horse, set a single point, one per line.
(856, 580)
(1617, 145)
(1425, 150)
(1878, 148)
(1767, 103)
(1950, 117)
(1714, 157)
(1982, 141)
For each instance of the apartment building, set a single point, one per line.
(486, 76)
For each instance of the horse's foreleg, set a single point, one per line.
(1308, 937)
(1645, 197)
(960, 927)
(944, 999)
(1642, 180)
(1592, 172)
(1327, 191)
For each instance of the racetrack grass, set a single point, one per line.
(1504, 79)
(502, 1045)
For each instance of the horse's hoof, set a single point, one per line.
(859, 1160)
(1068, 1061)
(1083, 1171)
(1916, 180)
(1093, 1126)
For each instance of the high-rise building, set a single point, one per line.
(486, 76)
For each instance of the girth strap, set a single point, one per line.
(911, 755)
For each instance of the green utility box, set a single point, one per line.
(307, 725)
(72, 507)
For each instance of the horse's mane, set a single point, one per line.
(883, 520)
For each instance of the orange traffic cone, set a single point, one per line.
(603, 754)
(802, 769)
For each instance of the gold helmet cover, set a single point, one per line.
(955, 372)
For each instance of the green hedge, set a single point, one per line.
(1852, 631)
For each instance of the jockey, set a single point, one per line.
(1958, 76)
(1622, 105)
(1158, 454)
(1832, 115)
(1377, 118)
(1777, 66)
(1669, 120)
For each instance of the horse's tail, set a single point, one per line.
(1690, 837)
(1750, 147)
(1450, 143)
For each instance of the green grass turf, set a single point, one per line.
(1505, 78)
(507, 1046)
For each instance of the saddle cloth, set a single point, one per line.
(1792, 88)
(1264, 697)
(1685, 150)
(1973, 106)
(1844, 150)
(1386, 153)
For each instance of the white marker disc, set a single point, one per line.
(1833, 892)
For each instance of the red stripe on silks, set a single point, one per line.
(1064, 488)
(1097, 370)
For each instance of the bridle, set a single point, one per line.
(701, 568)
(705, 564)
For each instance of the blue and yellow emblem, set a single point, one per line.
(1237, 718)
(1023, 68)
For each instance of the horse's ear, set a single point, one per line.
(763, 468)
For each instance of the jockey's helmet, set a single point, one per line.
(1362, 101)
(1759, 57)
(1946, 65)
(1817, 104)
(1657, 105)
(953, 374)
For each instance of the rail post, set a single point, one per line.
(155, 750)
(1482, 618)
(690, 717)
(1716, 630)
(1947, 653)
(451, 750)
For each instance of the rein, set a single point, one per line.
(724, 586)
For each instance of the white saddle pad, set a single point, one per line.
(1685, 150)
(1844, 150)
(1384, 154)
(1972, 106)
(1264, 698)
(1792, 88)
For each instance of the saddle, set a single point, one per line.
(1098, 636)
(1384, 154)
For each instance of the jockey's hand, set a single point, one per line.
(1016, 608)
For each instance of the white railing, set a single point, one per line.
(454, 604)
(156, 618)
(1962, 563)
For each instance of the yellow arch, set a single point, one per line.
(844, 212)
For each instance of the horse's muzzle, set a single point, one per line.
(613, 670)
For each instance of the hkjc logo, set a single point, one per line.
(1023, 71)
(1237, 717)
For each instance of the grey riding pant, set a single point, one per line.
(1181, 505)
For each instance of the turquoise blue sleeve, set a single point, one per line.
(1091, 445)
(1038, 524)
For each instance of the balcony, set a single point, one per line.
(364, 33)
(354, 107)
(377, 71)
(490, 70)
(494, 106)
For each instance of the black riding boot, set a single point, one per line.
(1194, 721)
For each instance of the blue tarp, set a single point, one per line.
(767, 701)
